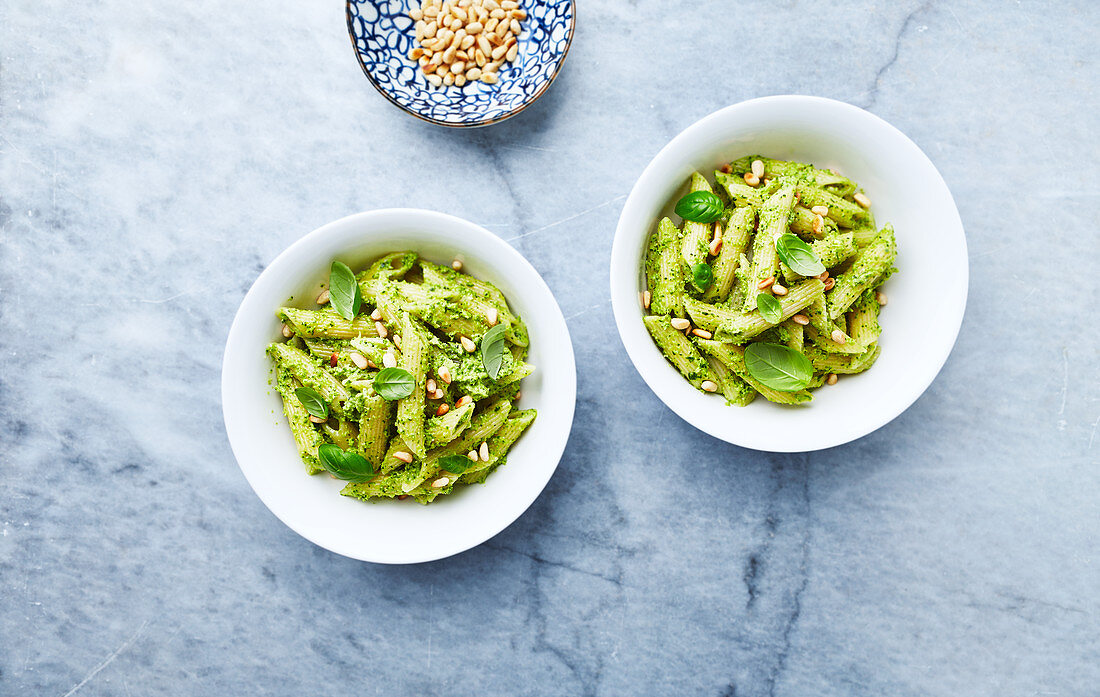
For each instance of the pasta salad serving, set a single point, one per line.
(402, 381)
(772, 284)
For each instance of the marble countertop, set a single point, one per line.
(156, 157)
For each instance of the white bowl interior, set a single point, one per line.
(926, 296)
(394, 531)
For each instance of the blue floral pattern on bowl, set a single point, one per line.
(383, 35)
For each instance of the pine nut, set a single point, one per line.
(499, 52)
(473, 74)
(444, 374)
(397, 340)
(389, 360)
(818, 223)
(516, 398)
(862, 200)
(402, 497)
(467, 344)
(483, 451)
(456, 265)
(359, 360)
(464, 400)
(381, 329)
(497, 14)
(829, 283)
(492, 316)
(484, 45)
(423, 62)
(460, 13)
(820, 210)
(519, 14)
(376, 315)
(514, 26)
(443, 409)
(474, 28)
(435, 80)
(440, 483)
(679, 323)
(416, 53)
(430, 30)
(822, 276)
(508, 4)
(316, 419)
(751, 179)
(403, 456)
(778, 289)
(458, 68)
(512, 53)
(472, 455)
(429, 385)
(758, 168)
(801, 319)
(467, 42)
(701, 333)
(333, 359)
(647, 298)
(287, 331)
(715, 246)
(323, 298)
(709, 386)
(765, 283)
(416, 13)
(491, 67)
(372, 365)
(489, 78)
(726, 169)
(880, 297)
(831, 379)
(839, 337)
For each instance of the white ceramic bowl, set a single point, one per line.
(394, 532)
(926, 297)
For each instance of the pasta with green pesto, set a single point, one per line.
(402, 380)
(771, 284)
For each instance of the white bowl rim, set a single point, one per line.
(476, 237)
(628, 316)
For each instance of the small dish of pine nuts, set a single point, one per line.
(461, 63)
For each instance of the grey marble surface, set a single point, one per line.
(156, 156)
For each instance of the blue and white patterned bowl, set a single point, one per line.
(382, 34)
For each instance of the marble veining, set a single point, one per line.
(153, 159)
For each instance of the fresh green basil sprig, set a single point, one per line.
(312, 400)
(343, 290)
(492, 350)
(769, 307)
(700, 207)
(797, 254)
(455, 464)
(702, 275)
(779, 367)
(394, 383)
(351, 467)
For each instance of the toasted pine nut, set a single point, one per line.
(822, 276)
(765, 283)
(403, 456)
(473, 74)
(751, 179)
(443, 409)
(801, 319)
(701, 333)
(397, 340)
(715, 246)
(709, 386)
(389, 360)
(316, 419)
(402, 497)
(508, 4)
(372, 365)
(839, 337)
(359, 360)
(778, 289)
(880, 297)
(474, 28)
(492, 316)
(862, 200)
(464, 400)
(512, 52)
(458, 67)
(484, 45)
(429, 385)
(499, 52)
(456, 265)
(829, 283)
(647, 298)
(758, 168)
(416, 13)
(680, 323)
(467, 344)
(831, 380)
(515, 27)
(444, 375)
(519, 14)
(467, 42)
(726, 169)
(820, 210)
(489, 78)
(472, 455)
(435, 80)
(381, 329)
(483, 451)
(376, 315)
(818, 223)
(440, 483)
(416, 53)
(497, 14)
(323, 298)
(516, 398)
(287, 332)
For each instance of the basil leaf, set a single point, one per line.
(769, 307)
(312, 400)
(702, 276)
(351, 467)
(797, 254)
(343, 290)
(700, 207)
(779, 367)
(492, 350)
(455, 464)
(394, 383)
